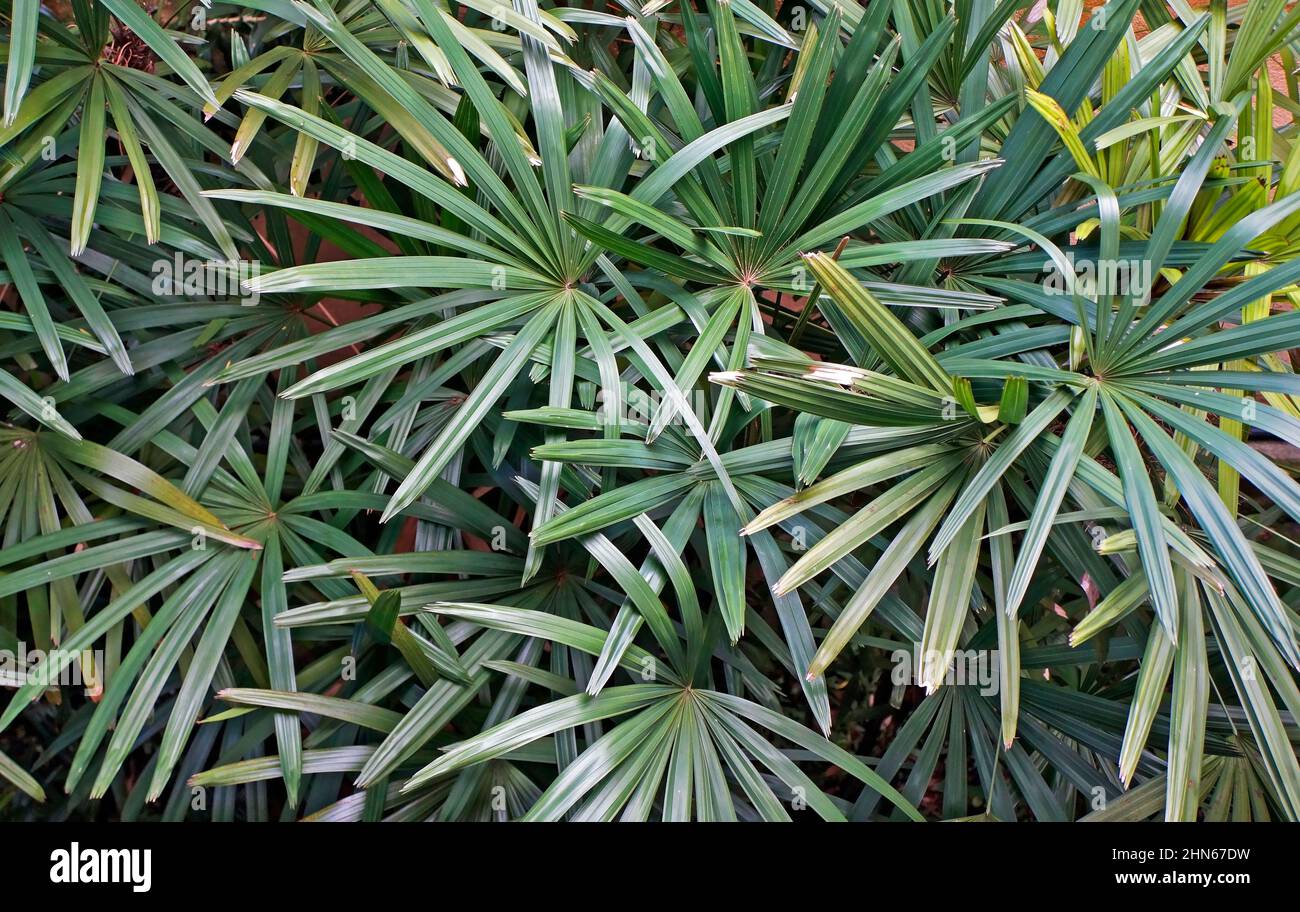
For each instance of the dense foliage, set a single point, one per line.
(714, 409)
